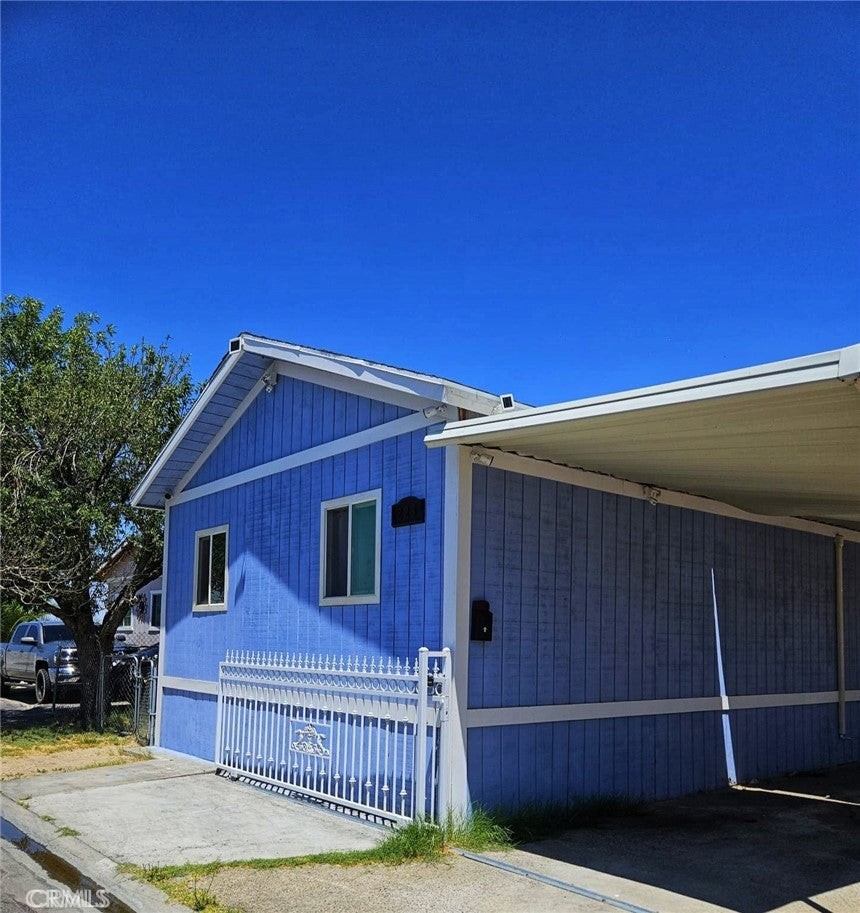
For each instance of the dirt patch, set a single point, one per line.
(30, 764)
(453, 884)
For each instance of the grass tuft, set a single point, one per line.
(67, 832)
(62, 735)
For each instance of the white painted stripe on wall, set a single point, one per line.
(558, 713)
(606, 710)
(195, 685)
(373, 435)
(541, 469)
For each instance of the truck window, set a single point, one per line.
(18, 633)
(52, 633)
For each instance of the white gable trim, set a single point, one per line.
(373, 435)
(380, 377)
(185, 425)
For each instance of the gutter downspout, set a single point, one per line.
(839, 544)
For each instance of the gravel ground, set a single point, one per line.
(455, 885)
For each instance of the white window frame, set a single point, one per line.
(152, 627)
(210, 606)
(360, 498)
(122, 626)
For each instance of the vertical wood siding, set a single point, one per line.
(274, 542)
(598, 597)
(296, 415)
(188, 722)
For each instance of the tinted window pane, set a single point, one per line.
(53, 633)
(363, 582)
(203, 570)
(155, 615)
(219, 567)
(20, 632)
(336, 554)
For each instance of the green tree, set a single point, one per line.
(82, 417)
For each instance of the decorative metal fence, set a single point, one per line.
(359, 734)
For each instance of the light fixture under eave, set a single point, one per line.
(270, 378)
(652, 494)
(481, 459)
(435, 411)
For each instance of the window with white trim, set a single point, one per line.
(350, 533)
(155, 609)
(126, 619)
(210, 569)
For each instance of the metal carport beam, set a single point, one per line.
(779, 439)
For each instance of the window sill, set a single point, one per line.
(349, 600)
(208, 609)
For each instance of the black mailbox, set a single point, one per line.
(482, 620)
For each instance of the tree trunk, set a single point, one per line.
(93, 662)
(90, 661)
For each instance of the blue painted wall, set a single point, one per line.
(296, 415)
(188, 722)
(274, 541)
(598, 597)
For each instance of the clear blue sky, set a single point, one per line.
(556, 200)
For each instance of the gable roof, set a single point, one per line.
(243, 372)
(780, 439)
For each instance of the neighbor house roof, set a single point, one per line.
(241, 375)
(781, 439)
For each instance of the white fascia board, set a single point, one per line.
(806, 370)
(221, 372)
(849, 362)
(393, 380)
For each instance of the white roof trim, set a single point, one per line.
(399, 380)
(222, 371)
(838, 364)
(407, 388)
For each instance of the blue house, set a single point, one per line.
(401, 594)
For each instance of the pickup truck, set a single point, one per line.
(41, 652)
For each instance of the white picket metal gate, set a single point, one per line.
(360, 734)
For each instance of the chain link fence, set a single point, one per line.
(127, 694)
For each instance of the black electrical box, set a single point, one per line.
(482, 620)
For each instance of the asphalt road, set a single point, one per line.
(18, 875)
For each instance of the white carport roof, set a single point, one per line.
(781, 439)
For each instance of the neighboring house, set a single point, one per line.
(141, 625)
(574, 558)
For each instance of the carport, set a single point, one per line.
(602, 532)
(779, 439)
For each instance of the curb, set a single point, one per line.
(137, 896)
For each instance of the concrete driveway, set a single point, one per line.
(172, 810)
(790, 844)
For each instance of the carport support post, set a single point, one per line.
(839, 544)
(456, 572)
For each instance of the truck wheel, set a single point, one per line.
(43, 686)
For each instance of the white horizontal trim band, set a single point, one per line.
(195, 685)
(373, 435)
(604, 710)
(530, 466)
(607, 710)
